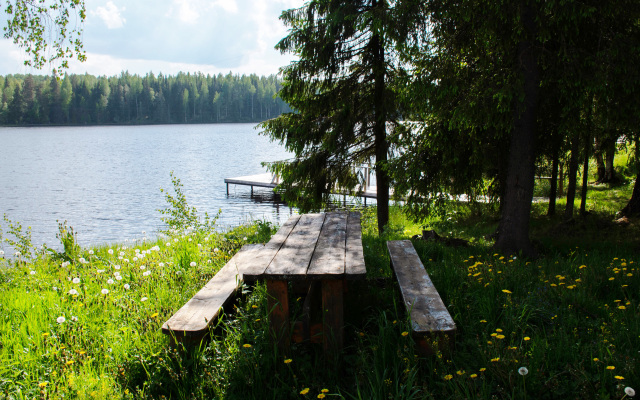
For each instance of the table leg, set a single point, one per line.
(332, 314)
(278, 302)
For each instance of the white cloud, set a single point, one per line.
(110, 15)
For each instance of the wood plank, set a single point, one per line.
(428, 312)
(329, 257)
(333, 317)
(354, 261)
(194, 318)
(254, 269)
(278, 303)
(292, 261)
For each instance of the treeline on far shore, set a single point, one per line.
(133, 99)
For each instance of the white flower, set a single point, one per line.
(629, 391)
(119, 257)
(126, 286)
(523, 371)
(55, 289)
(126, 260)
(244, 238)
(118, 278)
(61, 320)
(178, 273)
(216, 250)
(110, 251)
(143, 267)
(135, 259)
(73, 292)
(65, 264)
(190, 240)
(193, 263)
(116, 273)
(100, 271)
(121, 254)
(137, 251)
(32, 272)
(82, 260)
(161, 264)
(76, 280)
(110, 281)
(1, 252)
(74, 318)
(105, 291)
(206, 239)
(209, 261)
(199, 245)
(175, 240)
(144, 299)
(90, 251)
(146, 273)
(224, 239)
(168, 244)
(17, 254)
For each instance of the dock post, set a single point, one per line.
(227, 188)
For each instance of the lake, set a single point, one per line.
(105, 180)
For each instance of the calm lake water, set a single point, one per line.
(105, 181)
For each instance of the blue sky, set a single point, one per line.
(169, 36)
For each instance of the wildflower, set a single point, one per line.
(110, 251)
(495, 359)
(448, 377)
(154, 315)
(482, 369)
(118, 278)
(146, 273)
(244, 238)
(178, 273)
(143, 267)
(105, 291)
(325, 390)
(246, 345)
(596, 359)
(45, 334)
(484, 321)
(629, 391)
(304, 391)
(61, 319)
(618, 377)
(91, 252)
(74, 318)
(527, 338)
(126, 286)
(500, 337)
(321, 396)
(100, 271)
(143, 299)
(43, 384)
(622, 308)
(82, 260)
(69, 362)
(582, 267)
(161, 265)
(110, 281)
(523, 371)
(117, 267)
(288, 361)
(17, 254)
(217, 250)
(473, 376)
(611, 367)
(462, 372)
(32, 272)
(498, 330)
(73, 292)
(405, 333)
(192, 264)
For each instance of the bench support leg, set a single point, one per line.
(333, 319)
(278, 302)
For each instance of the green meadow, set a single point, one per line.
(84, 323)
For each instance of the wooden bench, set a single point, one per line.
(430, 319)
(193, 320)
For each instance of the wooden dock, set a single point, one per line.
(268, 180)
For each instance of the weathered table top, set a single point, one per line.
(312, 247)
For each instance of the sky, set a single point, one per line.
(169, 36)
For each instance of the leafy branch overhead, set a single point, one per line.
(50, 31)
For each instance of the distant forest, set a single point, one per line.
(132, 99)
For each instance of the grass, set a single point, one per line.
(571, 318)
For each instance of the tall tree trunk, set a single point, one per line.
(610, 153)
(553, 193)
(585, 169)
(513, 231)
(380, 133)
(573, 177)
(633, 206)
(597, 154)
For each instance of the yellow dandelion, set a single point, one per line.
(618, 377)
(321, 396)
(405, 333)
(246, 345)
(288, 361)
(612, 278)
(611, 367)
(304, 391)
(596, 359)
(484, 321)
(473, 376)
(43, 384)
(498, 330)
(395, 321)
(500, 337)
(527, 338)
(325, 390)
(482, 369)
(629, 274)
(460, 372)
(495, 359)
(501, 258)
(448, 377)
(69, 362)
(489, 342)
(583, 266)
(553, 285)
(494, 334)
(45, 334)
(622, 308)
(154, 315)
(254, 306)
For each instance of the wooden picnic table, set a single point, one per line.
(322, 250)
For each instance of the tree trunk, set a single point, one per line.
(553, 193)
(610, 152)
(633, 206)
(573, 177)
(585, 181)
(513, 231)
(380, 133)
(597, 154)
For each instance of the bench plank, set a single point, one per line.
(355, 267)
(194, 318)
(329, 257)
(428, 312)
(294, 256)
(254, 269)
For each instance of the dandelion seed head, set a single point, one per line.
(192, 264)
(91, 252)
(146, 273)
(110, 251)
(144, 299)
(629, 391)
(61, 319)
(118, 277)
(126, 286)
(523, 371)
(32, 272)
(110, 281)
(105, 291)
(73, 292)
